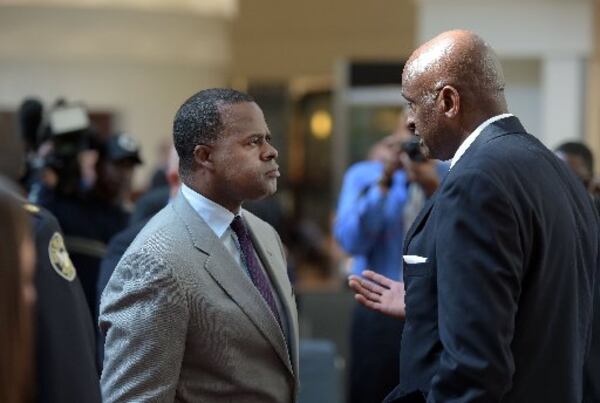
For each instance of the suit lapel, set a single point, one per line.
(281, 284)
(419, 221)
(225, 271)
(502, 127)
(221, 266)
(498, 128)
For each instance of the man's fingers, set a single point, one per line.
(378, 278)
(373, 287)
(359, 287)
(354, 284)
(376, 306)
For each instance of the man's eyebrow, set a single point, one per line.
(259, 134)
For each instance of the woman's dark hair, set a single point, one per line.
(15, 316)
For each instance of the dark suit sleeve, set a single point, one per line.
(479, 260)
(591, 386)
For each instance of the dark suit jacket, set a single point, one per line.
(502, 308)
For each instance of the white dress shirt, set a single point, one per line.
(471, 138)
(218, 219)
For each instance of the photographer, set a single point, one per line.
(379, 199)
(55, 144)
(90, 213)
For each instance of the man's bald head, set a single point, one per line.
(453, 83)
(459, 58)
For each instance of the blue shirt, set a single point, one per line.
(369, 223)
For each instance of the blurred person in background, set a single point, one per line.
(91, 216)
(159, 176)
(30, 116)
(369, 225)
(580, 159)
(379, 199)
(65, 370)
(118, 157)
(146, 207)
(17, 298)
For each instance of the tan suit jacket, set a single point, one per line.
(184, 323)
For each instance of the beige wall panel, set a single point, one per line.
(278, 40)
(139, 65)
(592, 112)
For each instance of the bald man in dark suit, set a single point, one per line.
(501, 264)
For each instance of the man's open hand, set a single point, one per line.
(379, 293)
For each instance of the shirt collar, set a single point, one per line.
(471, 138)
(216, 216)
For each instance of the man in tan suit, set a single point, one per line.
(200, 308)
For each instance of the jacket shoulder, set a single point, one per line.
(258, 222)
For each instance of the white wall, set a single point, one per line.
(515, 28)
(143, 98)
(140, 65)
(523, 81)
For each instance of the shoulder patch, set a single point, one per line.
(31, 208)
(60, 259)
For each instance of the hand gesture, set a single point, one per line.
(379, 293)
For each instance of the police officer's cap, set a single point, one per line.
(121, 147)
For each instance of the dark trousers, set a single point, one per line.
(374, 355)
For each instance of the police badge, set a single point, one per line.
(59, 257)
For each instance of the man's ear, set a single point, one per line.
(203, 156)
(450, 101)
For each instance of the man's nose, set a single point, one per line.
(270, 152)
(410, 124)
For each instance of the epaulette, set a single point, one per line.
(31, 208)
(57, 253)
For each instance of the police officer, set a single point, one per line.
(91, 217)
(65, 367)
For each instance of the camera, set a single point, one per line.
(414, 150)
(67, 128)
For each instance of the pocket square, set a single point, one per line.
(414, 259)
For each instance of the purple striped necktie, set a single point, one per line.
(258, 277)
